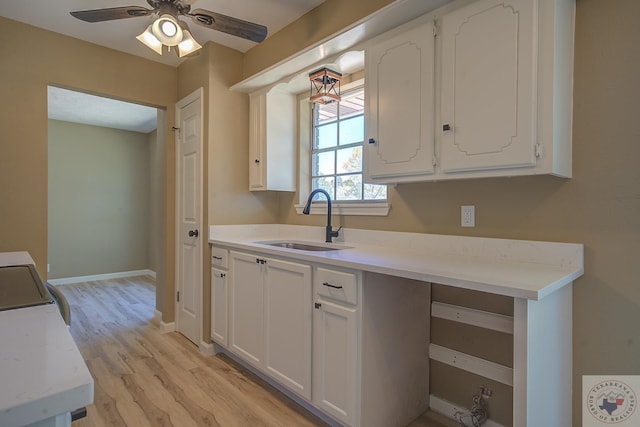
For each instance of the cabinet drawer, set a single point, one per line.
(219, 257)
(338, 285)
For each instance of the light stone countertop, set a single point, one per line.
(516, 268)
(42, 373)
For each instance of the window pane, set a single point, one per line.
(323, 163)
(349, 187)
(326, 136)
(336, 168)
(326, 113)
(349, 160)
(375, 192)
(352, 103)
(352, 130)
(325, 183)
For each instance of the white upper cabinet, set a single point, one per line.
(399, 106)
(502, 93)
(272, 140)
(489, 86)
(506, 82)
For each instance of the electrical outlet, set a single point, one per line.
(468, 216)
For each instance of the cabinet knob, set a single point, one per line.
(193, 233)
(317, 305)
(446, 127)
(257, 162)
(372, 141)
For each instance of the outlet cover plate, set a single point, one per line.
(468, 216)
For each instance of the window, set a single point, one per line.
(336, 153)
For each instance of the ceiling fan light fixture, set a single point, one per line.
(188, 44)
(150, 40)
(167, 30)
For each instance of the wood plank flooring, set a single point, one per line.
(147, 379)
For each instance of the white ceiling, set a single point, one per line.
(120, 35)
(77, 107)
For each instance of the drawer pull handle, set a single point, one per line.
(217, 257)
(331, 286)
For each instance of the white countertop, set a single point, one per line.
(517, 268)
(42, 373)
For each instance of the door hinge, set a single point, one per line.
(435, 28)
(434, 161)
(178, 296)
(538, 150)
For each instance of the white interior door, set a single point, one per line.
(189, 216)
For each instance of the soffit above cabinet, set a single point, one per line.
(330, 48)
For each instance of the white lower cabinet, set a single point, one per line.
(335, 338)
(270, 318)
(287, 323)
(246, 301)
(219, 298)
(328, 335)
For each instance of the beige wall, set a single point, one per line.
(599, 206)
(313, 27)
(99, 188)
(30, 59)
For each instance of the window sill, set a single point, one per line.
(364, 209)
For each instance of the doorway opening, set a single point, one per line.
(106, 166)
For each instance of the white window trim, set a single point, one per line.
(362, 208)
(349, 208)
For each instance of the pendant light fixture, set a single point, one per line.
(325, 86)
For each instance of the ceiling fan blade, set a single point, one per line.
(109, 14)
(227, 24)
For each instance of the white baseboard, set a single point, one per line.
(446, 408)
(206, 348)
(106, 276)
(166, 327)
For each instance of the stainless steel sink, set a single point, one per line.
(303, 246)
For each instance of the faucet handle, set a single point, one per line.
(334, 233)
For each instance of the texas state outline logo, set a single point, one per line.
(610, 400)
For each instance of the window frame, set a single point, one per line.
(305, 137)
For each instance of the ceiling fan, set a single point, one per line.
(168, 30)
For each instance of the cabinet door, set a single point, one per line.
(219, 306)
(334, 360)
(400, 106)
(257, 135)
(245, 307)
(287, 325)
(489, 86)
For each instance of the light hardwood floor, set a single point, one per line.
(145, 378)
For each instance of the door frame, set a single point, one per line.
(196, 95)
